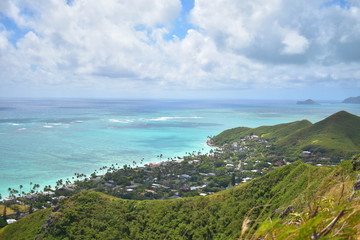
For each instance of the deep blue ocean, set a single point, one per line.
(44, 140)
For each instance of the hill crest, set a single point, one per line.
(338, 135)
(231, 214)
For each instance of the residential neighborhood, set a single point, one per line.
(195, 174)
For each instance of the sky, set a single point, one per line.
(255, 49)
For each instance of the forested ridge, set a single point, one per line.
(335, 137)
(230, 214)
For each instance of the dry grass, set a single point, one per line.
(8, 210)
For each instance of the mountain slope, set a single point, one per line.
(338, 133)
(269, 132)
(334, 215)
(337, 136)
(230, 214)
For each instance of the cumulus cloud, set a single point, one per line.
(295, 43)
(4, 43)
(126, 44)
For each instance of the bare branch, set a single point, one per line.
(328, 228)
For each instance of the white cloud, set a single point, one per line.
(234, 44)
(4, 43)
(233, 24)
(295, 43)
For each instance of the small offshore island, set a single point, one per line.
(307, 102)
(251, 155)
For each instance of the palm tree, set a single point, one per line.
(36, 186)
(21, 186)
(59, 182)
(4, 213)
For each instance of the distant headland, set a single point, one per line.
(352, 100)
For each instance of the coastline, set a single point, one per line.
(194, 174)
(154, 161)
(35, 153)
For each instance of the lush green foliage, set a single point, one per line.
(267, 132)
(332, 211)
(2, 222)
(26, 228)
(93, 215)
(336, 136)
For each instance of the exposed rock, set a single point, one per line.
(287, 211)
(356, 162)
(357, 183)
(50, 221)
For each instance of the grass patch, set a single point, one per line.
(26, 228)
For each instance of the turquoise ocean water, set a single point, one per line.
(44, 140)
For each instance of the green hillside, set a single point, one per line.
(232, 214)
(268, 132)
(337, 134)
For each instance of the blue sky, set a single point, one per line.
(182, 24)
(180, 49)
